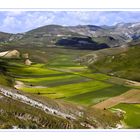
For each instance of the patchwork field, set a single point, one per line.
(63, 78)
(131, 96)
(94, 97)
(56, 75)
(74, 84)
(65, 91)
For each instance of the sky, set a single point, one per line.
(22, 21)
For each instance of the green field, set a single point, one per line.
(68, 90)
(75, 85)
(100, 95)
(131, 115)
(53, 80)
(58, 76)
(30, 71)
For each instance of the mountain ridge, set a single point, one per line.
(50, 35)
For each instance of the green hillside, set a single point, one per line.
(125, 65)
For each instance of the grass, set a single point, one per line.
(15, 113)
(84, 71)
(48, 79)
(62, 77)
(5, 80)
(68, 90)
(36, 69)
(73, 83)
(125, 65)
(54, 81)
(96, 76)
(132, 115)
(97, 96)
(62, 60)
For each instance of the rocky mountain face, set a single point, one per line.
(82, 36)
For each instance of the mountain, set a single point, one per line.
(81, 36)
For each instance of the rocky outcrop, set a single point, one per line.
(28, 62)
(16, 54)
(10, 54)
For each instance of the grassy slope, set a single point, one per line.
(26, 116)
(5, 80)
(132, 114)
(126, 65)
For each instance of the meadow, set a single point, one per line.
(131, 115)
(63, 78)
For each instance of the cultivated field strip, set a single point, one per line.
(68, 90)
(131, 96)
(72, 84)
(53, 80)
(94, 97)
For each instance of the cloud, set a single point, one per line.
(21, 21)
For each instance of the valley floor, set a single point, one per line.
(64, 80)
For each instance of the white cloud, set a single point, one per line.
(10, 23)
(21, 21)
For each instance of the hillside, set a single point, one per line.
(4, 37)
(125, 65)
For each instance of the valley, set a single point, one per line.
(68, 86)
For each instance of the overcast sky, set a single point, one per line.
(22, 21)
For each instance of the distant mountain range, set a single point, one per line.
(81, 36)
